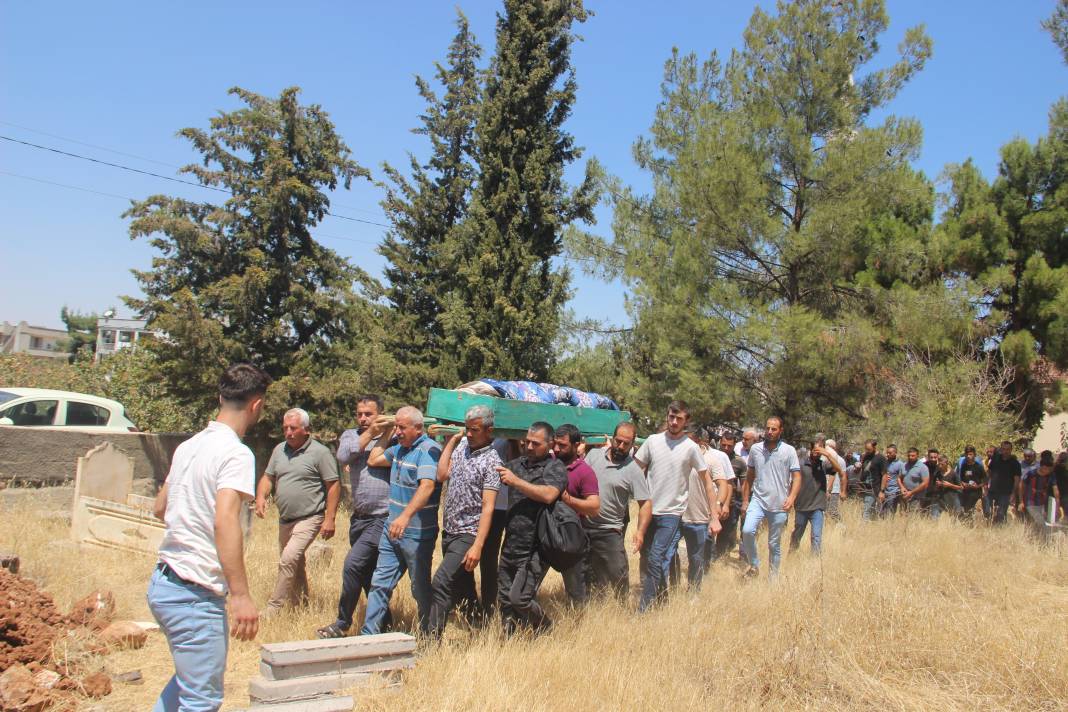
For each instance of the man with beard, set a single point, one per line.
(872, 476)
(536, 480)
(619, 480)
(772, 483)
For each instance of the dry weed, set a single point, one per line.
(904, 614)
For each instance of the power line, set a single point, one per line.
(64, 185)
(317, 234)
(145, 158)
(163, 177)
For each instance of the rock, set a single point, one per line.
(46, 679)
(123, 634)
(133, 677)
(96, 685)
(19, 692)
(9, 561)
(95, 610)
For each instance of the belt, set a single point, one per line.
(171, 576)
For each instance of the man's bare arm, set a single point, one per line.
(645, 517)
(588, 506)
(159, 507)
(228, 545)
(418, 501)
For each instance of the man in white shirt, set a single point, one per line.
(700, 547)
(201, 556)
(667, 459)
(773, 480)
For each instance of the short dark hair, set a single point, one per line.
(782, 423)
(679, 406)
(241, 382)
(1006, 442)
(371, 398)
(569, 431)
(969, 448)
(915, 450)
(891, 445)
(934, 450)
(729, 435)
(1046, 458)
(625, 424)
(872, 442)
(544, 427)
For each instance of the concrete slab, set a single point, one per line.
(323, 704)
(335, 667)
(260, 689)
(115, 526)
(333, 649)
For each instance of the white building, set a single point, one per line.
(113, 334)
(22, 338)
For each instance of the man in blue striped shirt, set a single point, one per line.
(407, 543)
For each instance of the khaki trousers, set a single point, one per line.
(294, 538)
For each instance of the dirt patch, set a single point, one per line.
(44, 653)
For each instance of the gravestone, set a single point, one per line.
(105, 472)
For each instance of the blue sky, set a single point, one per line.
(126, 76)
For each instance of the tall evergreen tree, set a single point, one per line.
(783, 244)
(1008, 238)
(1057, 26)
(503, 312)
(245, 279)
(424, 209)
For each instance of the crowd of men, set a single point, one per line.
(689, 484)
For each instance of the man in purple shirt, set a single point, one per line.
(581, 494)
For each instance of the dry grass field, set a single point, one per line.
(897, 615)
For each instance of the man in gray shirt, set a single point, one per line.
(369, 487)
(303, 474)
(619, 480)
(772, 483)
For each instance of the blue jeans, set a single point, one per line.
(801, 520)
(395, 556)
(696, 536)
(359, 567)
(659, 545)
(754, 515)
(194, 621)
(871, 507)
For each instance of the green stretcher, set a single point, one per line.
(512, 418)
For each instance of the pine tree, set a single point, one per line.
(1008, 238)
(783, 244)
(424, 209)
(503, 312)
(245, 279)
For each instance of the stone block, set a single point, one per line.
(260, 689)
(333, 649)
(322, 704)
(115, 525)
(336, 667)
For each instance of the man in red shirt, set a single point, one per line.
(581, 494)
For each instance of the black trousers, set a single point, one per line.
(488, 565)
(452, 583)
(518, 580)
(606, 564)
(360, 562)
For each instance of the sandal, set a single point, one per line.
(330, 631)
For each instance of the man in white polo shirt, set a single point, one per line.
(201, 556)
(667, 459)
(773, 480)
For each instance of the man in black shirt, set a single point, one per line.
(536, 481)
(872, 469)
(973, 478)
(1005, 474)
(812, 499)
(934, 491)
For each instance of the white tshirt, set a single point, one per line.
(698, 508)
(212, 460)
(669, 462)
